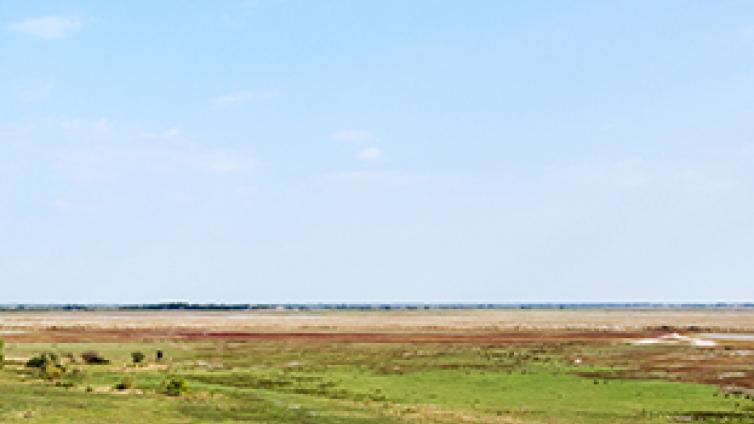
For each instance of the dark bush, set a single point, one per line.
(125, 384)
(93, 358)
(65, 384)
(138, 357)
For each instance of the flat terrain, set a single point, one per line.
(491, 366)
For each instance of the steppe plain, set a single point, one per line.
(425, 366)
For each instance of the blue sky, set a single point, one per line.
(281, 150)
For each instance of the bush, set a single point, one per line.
(125, 384)
(138, 357)
(65, 384)
(2, 354)
(48, 364)
(52, 371)
(93, 358)
(175, 386)
(42, 360)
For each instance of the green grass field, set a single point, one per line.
(309, 382)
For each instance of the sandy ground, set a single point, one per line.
(456, 323)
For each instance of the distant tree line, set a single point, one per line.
(369, 306)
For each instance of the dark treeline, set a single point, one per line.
(367, 306)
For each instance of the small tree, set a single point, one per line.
(175, 386)
(2, 354)
(138, 357)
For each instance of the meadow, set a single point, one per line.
(379, 367)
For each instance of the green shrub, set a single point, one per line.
(2, 354)
(138, 357)
(174, 386)
(52, 371)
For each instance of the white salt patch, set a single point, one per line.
(675, 338)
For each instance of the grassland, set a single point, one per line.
(380, 367)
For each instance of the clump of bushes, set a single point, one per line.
(138, 357)
(93, 358)
(42, 359)
(48, 364)
(2, 354)
(175, 386)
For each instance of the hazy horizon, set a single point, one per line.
(272, 151)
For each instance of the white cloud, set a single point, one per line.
(47, 27)
(162, 135)
(370, 154)
(239, 97)
(352, 136)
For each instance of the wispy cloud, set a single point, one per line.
(239, 17)
(636, 174)
(223, 161)
(370, 154)
(238, 98)
(353, 136)
(746, 32)
(162, 135)
(249, 4)
(47, 27)
(96, 150)
(383, 178)
(93, 126)
(37, 91)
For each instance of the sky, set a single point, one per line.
(363, 151)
